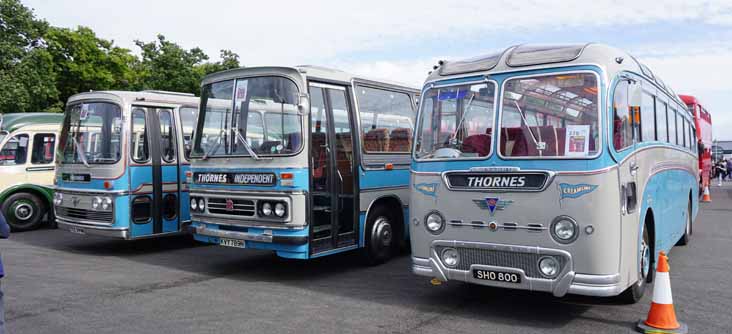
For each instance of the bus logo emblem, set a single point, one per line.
(492, 204)
(229, 204)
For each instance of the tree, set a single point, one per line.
(27, 81)
(229, 60)
(84, 62)
(167, 66)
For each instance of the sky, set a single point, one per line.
(687, 43)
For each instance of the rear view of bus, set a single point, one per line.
(703, 121)
(304, 161)
(562, 169)
(123, 158)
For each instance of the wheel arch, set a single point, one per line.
(43, 193)
(390, 201)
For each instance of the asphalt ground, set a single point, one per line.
(59, 282)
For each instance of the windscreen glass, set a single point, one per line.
(91, 133)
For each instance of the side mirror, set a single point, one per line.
(303, 103)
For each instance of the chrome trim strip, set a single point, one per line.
(90, 191)
(596, 279)
(60, 219)
(424, 173)
(652, 146)
(202, 230)
(204, 191)
(503, 226)
(588, 172)
(110, 232)
(375, 189)
(205, 219)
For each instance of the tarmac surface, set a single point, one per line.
(58, 282)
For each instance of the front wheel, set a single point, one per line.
(645, 271)
(23, 211)
(380, 238)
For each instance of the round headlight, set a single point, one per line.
(564, 229)
(548, 266)
(201, 204)
(96, 201)
(434, 222)
(106, 203)
(279, 209)
(450, 257)
(267, 209)
(194, 204)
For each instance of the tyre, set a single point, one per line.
(687, 230)
(23, 211)
(380, 237)
(646, 256)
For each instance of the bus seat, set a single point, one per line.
(318, 158)
(480, 143)
(561, 140)
(549, 136)
(400, 140)
(376, 140)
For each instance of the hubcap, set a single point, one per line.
(23, 211)
(645, 260)
(382, 231)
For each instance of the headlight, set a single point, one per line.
(194, 204)
(96, 201)
(279, 209)
(564, 229)
(201, 204)
(106, 203)
(267, 209)
(548, 266)
(450, 257)
(58, 198)
(434, 222)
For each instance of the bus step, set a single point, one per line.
(321, 228)
(321, 245)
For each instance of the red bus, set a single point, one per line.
(703, 121)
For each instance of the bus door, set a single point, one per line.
(154, 173)
(333, 222)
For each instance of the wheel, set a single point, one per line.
(687, 230)
(23, 211)
(646, 255)
(380, 237)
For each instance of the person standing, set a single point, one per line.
(4, 234)
(729, 169)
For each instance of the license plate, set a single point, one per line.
(232, 243)
(77, 230)
(498, 276)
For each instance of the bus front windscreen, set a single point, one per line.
(550, 116)
(91, 133)
(249, 116)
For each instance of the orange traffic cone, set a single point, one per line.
(706, 198)
(662, 317)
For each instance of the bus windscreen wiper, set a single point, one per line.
(80, 152)
(215, 147)
(453, 136)
(248, 147)
(539, 147)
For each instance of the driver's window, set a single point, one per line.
(139, 139)
(15, 151)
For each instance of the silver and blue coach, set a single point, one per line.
(563, 169)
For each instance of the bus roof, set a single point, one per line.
(302, 71)
(532, 57)
(128, 97)
(14, 121)
(688, 99)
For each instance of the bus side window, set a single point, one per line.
(661, 121)
(387, 120)
(188, 116)
(622, 122)
(139, 137)
(15, 151)
(648, 118)
(44, 145)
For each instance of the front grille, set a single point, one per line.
(528, 262)
(242, 207)
(91, 215)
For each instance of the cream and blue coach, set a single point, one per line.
(122, 163)
(563, 169)
(304, 161)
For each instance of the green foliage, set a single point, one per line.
(42, 66)
(84, 62)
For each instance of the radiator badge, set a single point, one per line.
(492, 204)
(567, 190)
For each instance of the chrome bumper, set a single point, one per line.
(103, 231)
(266, 236)
(567, 281)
